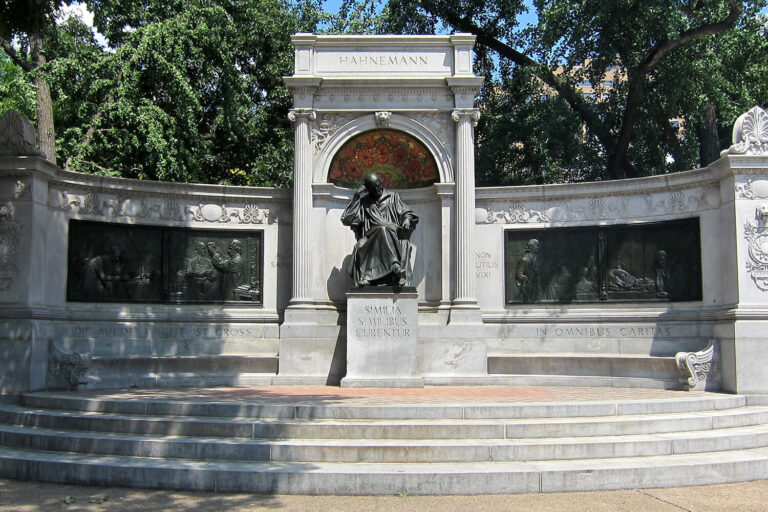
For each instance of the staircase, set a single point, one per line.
(326, 447)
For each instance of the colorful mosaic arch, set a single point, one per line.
(401, 161)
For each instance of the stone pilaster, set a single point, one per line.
(465, 297)
(302, 206)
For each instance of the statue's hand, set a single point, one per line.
(407, 223)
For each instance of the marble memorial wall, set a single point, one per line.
(696, 268)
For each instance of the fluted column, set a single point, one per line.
(466, 120)
(302, 205)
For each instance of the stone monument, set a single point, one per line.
(382, 312)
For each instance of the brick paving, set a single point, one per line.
(395, 396)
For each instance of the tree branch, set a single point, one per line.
(568, 93)
(15, 58)
(618, 157)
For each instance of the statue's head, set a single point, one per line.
(235, 247)
(532, 245)
(115, 252)
(372, 184)
(201, 248)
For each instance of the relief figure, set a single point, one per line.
(528, 276)
(198, 277)
(230, 267)
(661, 274)
(106, 275)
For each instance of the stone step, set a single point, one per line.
(383, 450)
(586, 365)
(575, 340)
(207, 364)
(116, 380)
(272, 409)
(243, 427)
(562, 381)
(175, 346)
(387, 479)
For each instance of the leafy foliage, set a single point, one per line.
(16, 92)
(191, 90)
(675, 61)
(184, 91)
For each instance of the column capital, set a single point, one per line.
(297, 113)
(472, 113)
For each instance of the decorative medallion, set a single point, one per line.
(757, 263)
(10, 239)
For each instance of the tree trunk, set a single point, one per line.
(709, 141)
(45, 131)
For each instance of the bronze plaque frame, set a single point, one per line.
(644, 262)
(156, 264)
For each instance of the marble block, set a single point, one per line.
(382, 330)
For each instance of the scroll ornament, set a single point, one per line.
(694, 366)
(66, 370)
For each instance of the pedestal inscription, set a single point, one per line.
(382, 329)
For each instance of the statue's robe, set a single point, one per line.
(382, 242)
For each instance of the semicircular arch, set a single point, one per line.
(396, 122)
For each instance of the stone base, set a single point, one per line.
(382, 337)
(394, 382)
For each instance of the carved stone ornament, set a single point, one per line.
(761, 213)
(752, 188)
(383, 119)
(250, 214)
(90, 203)
(439, 124)
(17, 136)
(757, 252)
(517, 214)
(694, 366)
(10, 239)
(349, 94)
(66, 370)
(603, 208)
(301, 113)
(750, 134)
(21, 190)
(326, 127)
(473, 114)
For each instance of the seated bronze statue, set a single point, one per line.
(382, 224)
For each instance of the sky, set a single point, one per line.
(331, 6)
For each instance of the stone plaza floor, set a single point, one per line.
(17, 496)
(394, 396)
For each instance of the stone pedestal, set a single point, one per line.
(382, 338)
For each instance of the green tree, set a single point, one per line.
(29, 21)
(191, 91)
(183, 90)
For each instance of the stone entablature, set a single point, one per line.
(386, 57)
